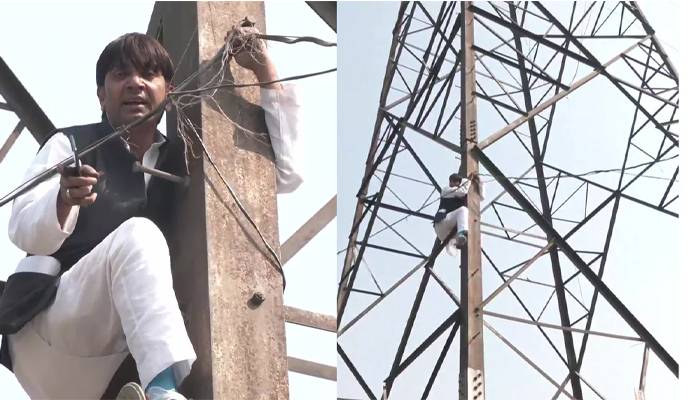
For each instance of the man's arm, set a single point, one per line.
(281, 106)
(458, 191)
(282, 119)
(34, 221)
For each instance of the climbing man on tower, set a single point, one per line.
(452, 211)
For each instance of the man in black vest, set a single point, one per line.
(97, 284)
(452, 211)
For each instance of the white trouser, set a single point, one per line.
(117, 299)
(453, 218)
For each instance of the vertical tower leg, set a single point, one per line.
(471, 352)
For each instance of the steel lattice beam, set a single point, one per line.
(522, 55)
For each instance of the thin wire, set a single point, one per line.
(51, 171)
(278, 265)
(184, 52)
(595, 172)
(296, 39)
(242, 85)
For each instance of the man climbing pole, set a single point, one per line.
(96, 284)
(452, 211)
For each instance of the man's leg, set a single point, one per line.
(119, 297)
(458, 218)
(444, 227)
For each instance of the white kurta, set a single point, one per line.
(118, 298)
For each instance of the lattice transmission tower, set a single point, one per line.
(568, 113)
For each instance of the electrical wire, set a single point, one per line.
(593, 172)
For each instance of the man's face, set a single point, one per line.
(128, 94)
(454, 183)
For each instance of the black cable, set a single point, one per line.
(50, 172)
(297, 39)
(242, 85)
(593, 172)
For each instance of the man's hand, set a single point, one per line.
(77, 190)
(251, 53)
(476, 182)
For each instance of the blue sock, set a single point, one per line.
(165, 380)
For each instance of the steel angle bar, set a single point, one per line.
(437, 249)
(398, 209)
(526, 359)
(424, 345)
(309, 230)
(637, 11)
(438, 363)
(513, 277)
(562, 303)
(552, 100)
(527, 310)
(590, 386)
(585, 51)
(392, 250)
(22, 103)
(576, 260)
(507, 61)
(444, 286)
(12, 138)
(360, 212)
(369, 308)
(620, 191)
(519, 30)
(348, 275)
(561, 387)
(432, 136)
(561, 328)
(355, 373)
(326, 10)
(311, 368)
(309, 319)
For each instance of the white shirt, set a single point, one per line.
(448, 192)
(34, 226)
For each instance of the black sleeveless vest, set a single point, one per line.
(449, 203)
(121, 194)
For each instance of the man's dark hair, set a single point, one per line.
(455, 178)
(136, 50)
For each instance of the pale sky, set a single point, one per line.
(52, 48)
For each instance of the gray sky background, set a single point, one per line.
(53, 47)
(632, 269)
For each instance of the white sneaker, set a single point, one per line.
(158, 393)
(131, 391)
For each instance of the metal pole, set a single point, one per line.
(471, 344)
